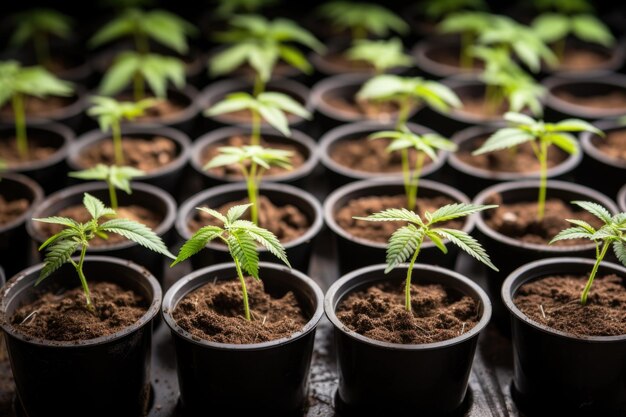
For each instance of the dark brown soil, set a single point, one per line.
(38, 150)
(160, 111)
(38, 107)
(522, 159)
(81, 215)
(580, 59)
(451, 57)
(477, 106)
(12, 209)
(215, 312)
(614, 100)
(65, 317)
(555, 302)
(381, 231)
(286, 222)
(519, 220)
(614, 144)
(366, 155)
(145, 154)
(383, 112)
(437, 313)
(210, 152)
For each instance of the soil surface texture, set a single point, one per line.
(145, 154)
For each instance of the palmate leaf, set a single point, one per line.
(234, 213)
(454, 211)
(71, 233)
(551, 27)
(619, 247)
(58, 253)
(504, 138)
(402, 245)
(572, 233)
(596, 209)
(95, 207)
(467, 243)
(35, 22)
(214, 213)
(197, 242)
(266, 238)
(138, 233)
(370, 17)
(243, 248)
(393, 215)
(564, 141)
(381, 54)
(63, 221)
(588, 28)
(245, 155)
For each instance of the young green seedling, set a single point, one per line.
(16, 82)
(469, 25)
(436, 10)
(424, 145)
(270, 107)
(37, 25)
(541, 136)
(555, 28)
(241, 237)
(158, 25)
(111, 113)
(229, 8)
(260, 43)
(62, 245)
(380, 54)
(408, 92)
(362, 19)
(406, 242)
(611, 233)
(141, 69)
(114, 176)
(253, 161)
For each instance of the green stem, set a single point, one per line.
(407, 284)
(543, 181)
(116, 131)
(583, 297)
(255, 140)
(259, 86)
(559, 49)
(415, 180)
(244, 290)
(83, 280)
(42, 50)
(141, 43)
(465, 59)
(139, 89)
(20, 125)
(358, 33)
(112, 195)
(253, 193)
(403, 113)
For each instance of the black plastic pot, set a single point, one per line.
(50, 173)
(144, 195)
(340, 174)
(265, 379)
(108, 375)
(345, 86)
(220, 89)
(301, 141)
(298, 250)
(621, 198)
(558, 108)
(354, 252)
(613, 63)
(557, 373)
(599, 170)
(472, 179)
(167, 177)
(382, 378)
(15, 244)
(511, 253)
(428, 50)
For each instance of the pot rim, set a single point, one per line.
(616, 55)
(471, 133)
(217, 135)
(333, 198)
(197, 275)
(621, 198)
(511, 285)
(150, 313)
(339, 133)
(166, 224)
(329, 308)
(586, 142)
(534, 184)
(188, 206)
(94, 136)
(420, 53)
(38, 196)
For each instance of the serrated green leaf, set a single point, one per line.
(572, 233)
(456, 210)
(437, 241)
(138, 233)
(57, 254)
(402, 245)
(197, 242)
(564, 141)
(393, 215)
(620, 251)
(95, 207)
(235, 212)
(243, 249)
(214, 213)
(503, 139)
(467, 243)
(596, 209)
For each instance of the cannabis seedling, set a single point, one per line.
(469, 25)
(62, 245)
(16, 82)
(407, 241)
(37, 25)
(362, 19)
(424, 145)
(554, 29)
(270, 107)
(158, 25)
(111, 113)
(241, 237)
(541, 136)
(408, 92)
(114, 176)
(611, 233)
(253, 161)
(141, 69)
(260, 43)
(380, 54)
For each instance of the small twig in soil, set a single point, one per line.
(543, 313)
(32, 314)
(462, 329)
